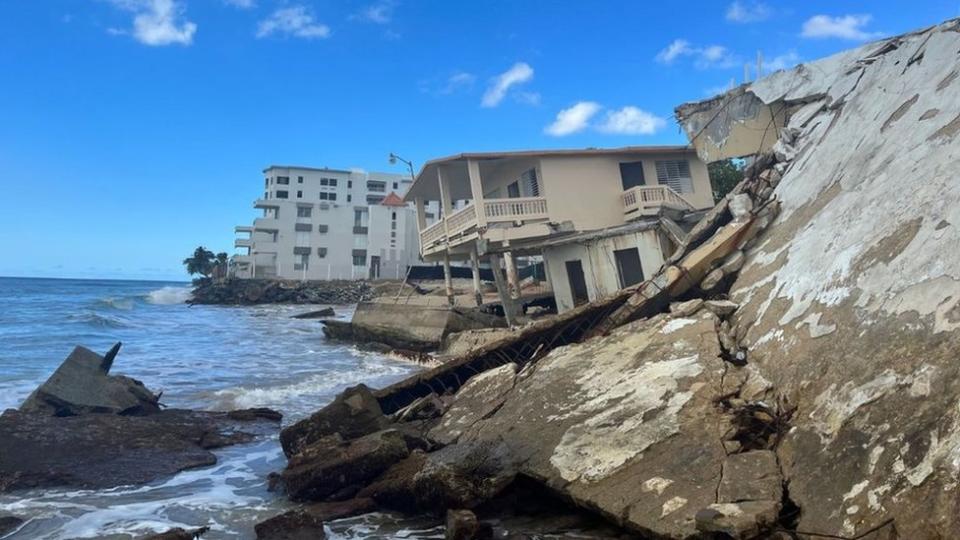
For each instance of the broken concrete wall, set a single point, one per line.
(849, 300)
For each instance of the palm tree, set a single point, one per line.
(222, 261)
(201, 262)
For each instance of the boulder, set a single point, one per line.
(318, 314)
(464, 525)
(98, 451)
(734, 262)
(82, 384)
(740, 521)
(464, 475)
(394, 489)
(686, 309)
(178, 533)
(292, 525)
(9, 524)
(424, 408)
(480, 396)
(625, 424)
(355, 412)
(750, 476)
(330, 465)
(721, 308)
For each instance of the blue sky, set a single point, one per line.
(133, 130)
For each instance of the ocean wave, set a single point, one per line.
(117, 302)
(98, 320)
(169, 295)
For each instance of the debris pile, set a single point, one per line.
(790, 370)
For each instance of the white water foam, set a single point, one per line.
(169, 295)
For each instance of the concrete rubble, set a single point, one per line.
(791, 370)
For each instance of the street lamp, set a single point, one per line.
(395, 158)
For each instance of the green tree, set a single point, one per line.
(202, 262)
(724, 176)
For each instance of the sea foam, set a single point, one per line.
(169, 295)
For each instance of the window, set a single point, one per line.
(349, 184)
(513, 190)
(395, 185)
(375, 185)
(349, 197)
(359, 260)
(266, 182)
(299, 194)
(631, 174)
(323, 228)
(283, 180)
(374, 199)
(393, 216)
(393, 225)
(304, 211)
(322, 252)
(629, 267)
(675, 174)
(282, 195)
(299, 179)
(393, 234)
(333, 182)
(529, 179)
(324, 196)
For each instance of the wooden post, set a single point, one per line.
(421, 213)
(447, 278)
(505, 300)
(475, 266)
(513, 280)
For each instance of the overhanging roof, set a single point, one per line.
(425, 184)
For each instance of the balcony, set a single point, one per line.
(243, 229)
(243, 243)
(266, 224)
(645, 201)
(466, 220)
(266, 203)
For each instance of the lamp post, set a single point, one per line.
(395, 158)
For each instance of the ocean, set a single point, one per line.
(202, 357)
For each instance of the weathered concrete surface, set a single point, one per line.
(624, 424)
(82, 384)
(850, 301)
(408, 327)
(466, 341)
(354, 413)
(476, 400)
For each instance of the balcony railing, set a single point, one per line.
(266, 224)
(641, 201)
(243, 242)
(495, 210)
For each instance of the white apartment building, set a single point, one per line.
(319, 224)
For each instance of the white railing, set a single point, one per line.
(462, 220)
(519, 209)
(495, 210)
(431, 234)
(648, 200)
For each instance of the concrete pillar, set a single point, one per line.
(505, 300)
(475, 266)
(513, 279)
(476, 192)
(447, 278)
(421, 213)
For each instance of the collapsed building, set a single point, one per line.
(791, 368)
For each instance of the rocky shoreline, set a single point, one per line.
(234, 291)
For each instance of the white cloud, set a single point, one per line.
(679, 47)
(520, 73)
(528, 98)
(157, 22)
(242, 4)
(379, 13)
(703, 57)
(741, 12)
(458, 81)
(573, 119)
(297, 21)
(631, 120)
(783, 61)
(844, 27)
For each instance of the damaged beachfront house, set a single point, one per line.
(600, 219)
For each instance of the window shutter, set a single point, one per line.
(675, 174)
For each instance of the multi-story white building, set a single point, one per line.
(328, 224)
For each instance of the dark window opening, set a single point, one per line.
(631, 175)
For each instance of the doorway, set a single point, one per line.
(578, 284)
(628, 266)
(374, 267)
